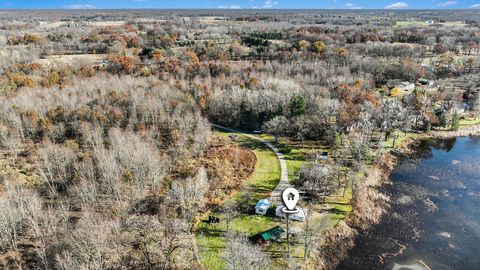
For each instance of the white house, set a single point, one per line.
(322, 155)
(262, 206)
(299, 216)
(406, 86)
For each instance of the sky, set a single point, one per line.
(243, 4)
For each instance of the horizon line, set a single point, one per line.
(238, 9)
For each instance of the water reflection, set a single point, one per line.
(434, 215)
(446, 144)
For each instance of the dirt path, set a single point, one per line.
(276, 195)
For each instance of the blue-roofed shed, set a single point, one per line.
(262, 206)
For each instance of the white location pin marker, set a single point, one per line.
(290, 198)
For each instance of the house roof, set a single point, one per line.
(272, 233)
(269, 234)
(263, 203)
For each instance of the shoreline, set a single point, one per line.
(369, 203)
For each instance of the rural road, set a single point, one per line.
(276, 195)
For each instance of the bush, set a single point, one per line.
(455, 122)
(21, 80)
(428, 127)
(285, 149)
(31, 38)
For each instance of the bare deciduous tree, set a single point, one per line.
(313, 232)
(140, 159)
(188, 195)
(20, 214)
(239, 254)
(57, 167)
(230, 211)
(93, 243)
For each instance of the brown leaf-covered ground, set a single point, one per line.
(228, 166)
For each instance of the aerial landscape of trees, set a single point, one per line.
(108, 159)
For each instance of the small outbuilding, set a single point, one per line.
(322, 155)
(426, 82)
(268, 235)
(462, 108)
(262, 207)
(404, 86)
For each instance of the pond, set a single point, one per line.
(433, 221)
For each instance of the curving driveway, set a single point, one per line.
(276, 195)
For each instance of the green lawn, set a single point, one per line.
(267, 170)
(340, 203)
(465, 122)
(295, 159)
(401, 138)
(297, 154)
(211, 238)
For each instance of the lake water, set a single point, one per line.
(434, 217)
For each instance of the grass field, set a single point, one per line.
(211, 238)
(402, 137)
(267, 170)
(410, 23)
(465, 122)
(296, 153)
